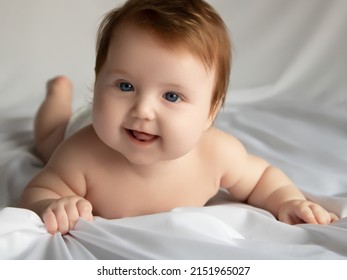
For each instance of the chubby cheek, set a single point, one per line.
(99, 125)
(182, 136)
(104, 126)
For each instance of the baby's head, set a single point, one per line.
(191, 25)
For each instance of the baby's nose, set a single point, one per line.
(143, 109)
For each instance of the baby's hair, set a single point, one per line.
(189, 24)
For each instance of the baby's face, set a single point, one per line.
(150, 103)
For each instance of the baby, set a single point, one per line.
(162, 71)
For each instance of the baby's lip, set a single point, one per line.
(141, 136)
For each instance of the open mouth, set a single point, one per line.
(141, 137)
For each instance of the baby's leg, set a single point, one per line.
(52, 117)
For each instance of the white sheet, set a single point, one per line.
(287, 103)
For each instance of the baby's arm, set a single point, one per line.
(255, 181)
(57, 205)
(57, 193)
(275, 192)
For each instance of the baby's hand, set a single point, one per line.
(62, 214)
(303, 211)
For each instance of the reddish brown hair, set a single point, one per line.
(191, 24)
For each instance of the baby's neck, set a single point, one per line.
(154, 169)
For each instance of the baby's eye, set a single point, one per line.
(171, 96)
(124, 86)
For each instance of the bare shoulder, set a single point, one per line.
(76, 147)
(223, 144)
(71, 160)
(227, 152)
(239, 171)
(64, 173)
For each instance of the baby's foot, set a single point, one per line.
(59, 88)
(53, 116)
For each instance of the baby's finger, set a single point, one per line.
(306, 214)
(50, 221)
(72, 214)
(322, 216)
(62, 219)
(290, 219)
(85, 209)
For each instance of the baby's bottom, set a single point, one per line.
(52, 117)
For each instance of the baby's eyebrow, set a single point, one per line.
(175, 86)
(118, 71)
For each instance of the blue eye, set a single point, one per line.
(171, 96)
(124, 86)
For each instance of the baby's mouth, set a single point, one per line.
(142, 136)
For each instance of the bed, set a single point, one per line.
(287, 102)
